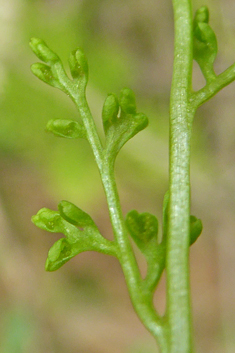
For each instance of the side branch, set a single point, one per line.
(208, 91)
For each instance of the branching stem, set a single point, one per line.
(173, 331)
(141, 300)
(208, 91)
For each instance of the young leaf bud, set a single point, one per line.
(66, 128)
(110, 111)
(42, 51)
(205, 34)
(49, 220)
(140, 121)
(127, 101)
(58, 255)
(142, 227)
(44, 73)
(74, 215)
(202, 15)
(195, 229)
(78, 64)
(205, 44)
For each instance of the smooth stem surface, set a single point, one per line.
(92, 135)
(178, 311)
(141, 300)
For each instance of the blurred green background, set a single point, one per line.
(84, 307)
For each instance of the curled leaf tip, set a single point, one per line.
(110, 111)
(74, 214)
(44, 73)
(195, 228)
(205, 43)
(78, 64)
(142, 120)
(49, 220)
(120, 120)
(58, 255)
(127, 101)
(34, 42)
(66, 128)
(42, 51)
(202, 15)
(142, 227)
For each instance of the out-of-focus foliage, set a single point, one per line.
(85, 307)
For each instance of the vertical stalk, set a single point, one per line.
(141, 301)
(178, 312)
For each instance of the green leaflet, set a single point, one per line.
(76, 240)
(78, 65)
(110, 112)
(76, 216)
(45, 74)
(54, 73)
(66, 128)
(205, 43)
(120, 121)
(127, 101)
(62, 251)
(195, 223)
(42, 51)
(195, 228)
(52, 221)
(143, 228)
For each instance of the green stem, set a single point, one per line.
(173, 331)
(141, 300)
(208, 91)
(178, 311)
(89, 124)
(154, 272)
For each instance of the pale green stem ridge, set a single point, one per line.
(178, 312)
